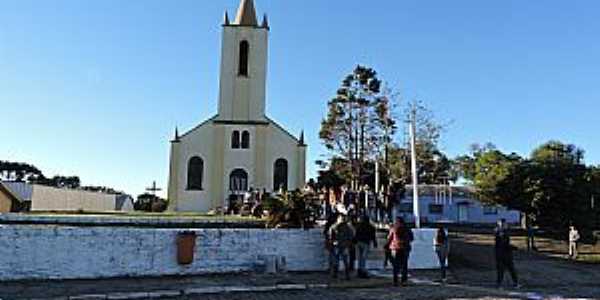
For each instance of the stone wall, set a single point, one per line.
(58, 252)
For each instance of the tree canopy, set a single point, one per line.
(553, 186)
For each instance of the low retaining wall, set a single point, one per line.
(423, 255)
(117, 220)
(58, 252)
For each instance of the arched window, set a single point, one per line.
(195, 172)
(244, 57)
(238, 180)
(235, 139)
(280, 174)
(246, 140)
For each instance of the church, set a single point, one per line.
(240, 148)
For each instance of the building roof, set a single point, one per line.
(22, 191)
(121, 200)
(431, 190)
(246, 15)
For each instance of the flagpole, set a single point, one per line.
(413, 154)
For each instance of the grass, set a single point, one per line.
(589, 258)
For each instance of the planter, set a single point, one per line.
(186, 246)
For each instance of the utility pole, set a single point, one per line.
(413, 155)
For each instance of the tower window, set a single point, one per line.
(244, 57)
(246, 140)
(235, 139)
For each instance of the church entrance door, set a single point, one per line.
(238, 181)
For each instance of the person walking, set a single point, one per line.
(504, 254)
(365, 235)
(400, 238)
(342, 236)
(441, 245)
(573, 239)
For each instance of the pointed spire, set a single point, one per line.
(176, 139)
(246, 15)
(226, 19)
(265, 22)
(301, 140)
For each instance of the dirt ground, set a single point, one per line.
(547, 271)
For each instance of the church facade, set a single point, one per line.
(240, 148)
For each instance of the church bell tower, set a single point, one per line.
(243, 66)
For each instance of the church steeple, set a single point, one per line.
(246, 15)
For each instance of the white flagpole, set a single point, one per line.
(415, 177)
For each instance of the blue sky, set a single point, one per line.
(95, 88)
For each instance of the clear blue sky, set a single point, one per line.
(95, 88)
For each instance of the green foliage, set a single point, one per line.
(358, 124)
(292, 210)
(359, 130)
(553, 186)
(150, 203)
(16, 171)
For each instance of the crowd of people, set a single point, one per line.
(348, 239)
(377, 205)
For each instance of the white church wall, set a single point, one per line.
(103, 252)
(239, 158)
(282, 145)
(196, 143)
(243, 98)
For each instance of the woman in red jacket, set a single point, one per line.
(399, 239)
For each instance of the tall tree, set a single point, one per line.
(356, 118)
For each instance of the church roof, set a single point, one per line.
(246, 15)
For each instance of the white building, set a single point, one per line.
(239, 148)
(34, 197)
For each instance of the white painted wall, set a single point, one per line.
(279, 144)
(282, 145)
(243, 98)
(239, 158)
(423, 255)
(42, 252)
(197, 142)
(46, 198)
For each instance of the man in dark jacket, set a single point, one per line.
(504, 254)
(342, 236)
(365, 235)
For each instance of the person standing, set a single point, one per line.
(441, 245)
(573, 239)
(530, 237)
(400, 238)
(504, 254)
(342, 236)
(331, 220)
(353, 222)
(365, 235)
